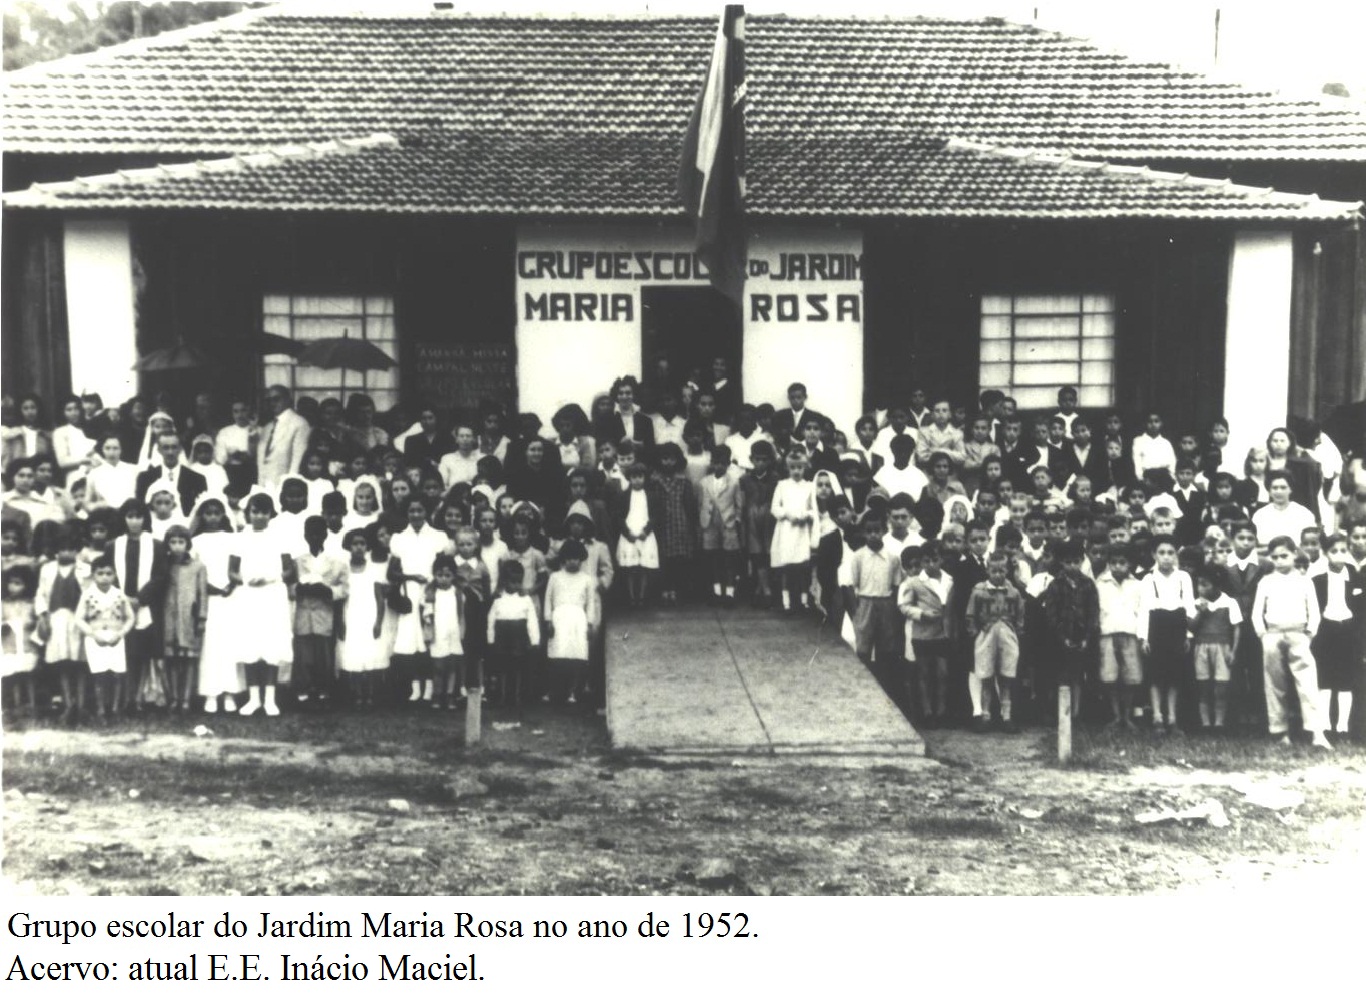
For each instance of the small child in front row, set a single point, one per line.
(1341, 591)
(1218, 622)
(55, 603)
(360, 652)
(514, 631)
(105, 617)
(571, 619)
(994, 620)
(1164, 616)
(718, 518)
(875, 574)
(318, 593)
(185, 606)
(1072, 607)
(17, 627)
(1286, 617)
(443, 621)
(1121, 604)
(476, 589)
(925, 598)
(637, 547)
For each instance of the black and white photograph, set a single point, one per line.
(649, 450)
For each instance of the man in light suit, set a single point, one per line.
(283, 441)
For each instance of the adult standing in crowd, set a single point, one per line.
(31, 437)
(72, 449)
(239, 437)
(283, 441)
(188, 484)
(627, 420)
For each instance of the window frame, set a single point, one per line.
(345, 382)
(1090, 304)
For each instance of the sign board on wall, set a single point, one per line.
(804, 319)
(579, 311)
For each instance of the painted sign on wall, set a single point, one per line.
(579, 310)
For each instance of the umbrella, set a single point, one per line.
(165, 359)
(259, 343)
(345, 352)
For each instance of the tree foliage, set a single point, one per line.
(35, 32)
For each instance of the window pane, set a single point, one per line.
(995, 350)
(379, 305)
(379, 328)
(382, 380)
(1098, 303)
(1046, 350)
(1046, 374)
(1047, 304)
(995, 376)
(278, 374)
(1095, 396)
(994, 305)
(1097, 350)
(995, 327)
(1098, 326)
(385, 400)
(276, 304)
(1036, 399)
(1053, 326)
(1097, 373)
(278, 325)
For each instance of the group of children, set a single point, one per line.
(944, 546)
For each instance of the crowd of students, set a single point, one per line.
(976, 561)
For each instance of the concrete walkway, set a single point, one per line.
(698, 680)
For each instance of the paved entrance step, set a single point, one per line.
(698, 681)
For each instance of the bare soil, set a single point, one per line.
(391, 803)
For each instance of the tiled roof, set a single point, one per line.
(271, 77)
(579, 174)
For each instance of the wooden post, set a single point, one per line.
(474, 716)
(1064, 723)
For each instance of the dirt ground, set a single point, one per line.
(391, 803)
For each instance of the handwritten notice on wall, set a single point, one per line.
(458, 376)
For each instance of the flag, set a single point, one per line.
(711, 177)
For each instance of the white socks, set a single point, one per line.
(269, 700)
(1344, 710)
(253, 701)
(975, 693)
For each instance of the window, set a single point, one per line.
(312, 317)
(1032, 345)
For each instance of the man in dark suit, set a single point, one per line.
(726, 391)
(787, 424)
(1084, 457)
(187, 483)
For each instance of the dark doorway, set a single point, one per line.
(690, 327)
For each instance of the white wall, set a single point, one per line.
(802, 312)
(99, 308)
(812, 329)
(564, 360)
(1257, 338)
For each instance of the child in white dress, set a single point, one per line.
(571, 621)
(360, 653)
(263, 568)
(637, 549)
(17, 623)
(795, 517)
(220, 668)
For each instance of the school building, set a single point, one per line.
(956, 204)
